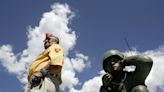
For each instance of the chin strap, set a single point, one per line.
(121, 84)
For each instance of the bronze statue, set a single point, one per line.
(117, 79)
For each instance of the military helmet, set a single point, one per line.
(106, 59)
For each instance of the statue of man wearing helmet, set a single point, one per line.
(117, 79)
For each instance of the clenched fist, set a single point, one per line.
(107, 79)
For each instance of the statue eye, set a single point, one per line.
(114, 60)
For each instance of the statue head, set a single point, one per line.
(50, 39)
(113, 61)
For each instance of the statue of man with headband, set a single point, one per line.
(44, 74)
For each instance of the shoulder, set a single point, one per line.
(143, 58)
(55, 48)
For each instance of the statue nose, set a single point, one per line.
(116, 65)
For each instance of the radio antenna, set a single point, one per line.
(127, 44)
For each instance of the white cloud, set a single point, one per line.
(79, 63)
(10, 59)
(56, 21)
(69, 79)
(71, 65)
(156, 76)
(92, 85)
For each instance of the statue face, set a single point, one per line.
(49, 41)
(117, 66)
(113, 64)
(116, 63)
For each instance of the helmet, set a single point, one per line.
(112, 53)
(106, 59)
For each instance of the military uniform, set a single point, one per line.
(129, 81)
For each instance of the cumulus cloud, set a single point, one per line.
(11, 62)
(55, 21)
(156, 76)
(91, 85)
(78, 62)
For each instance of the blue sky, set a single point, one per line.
(87, 29)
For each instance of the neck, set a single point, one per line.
(118, 76)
